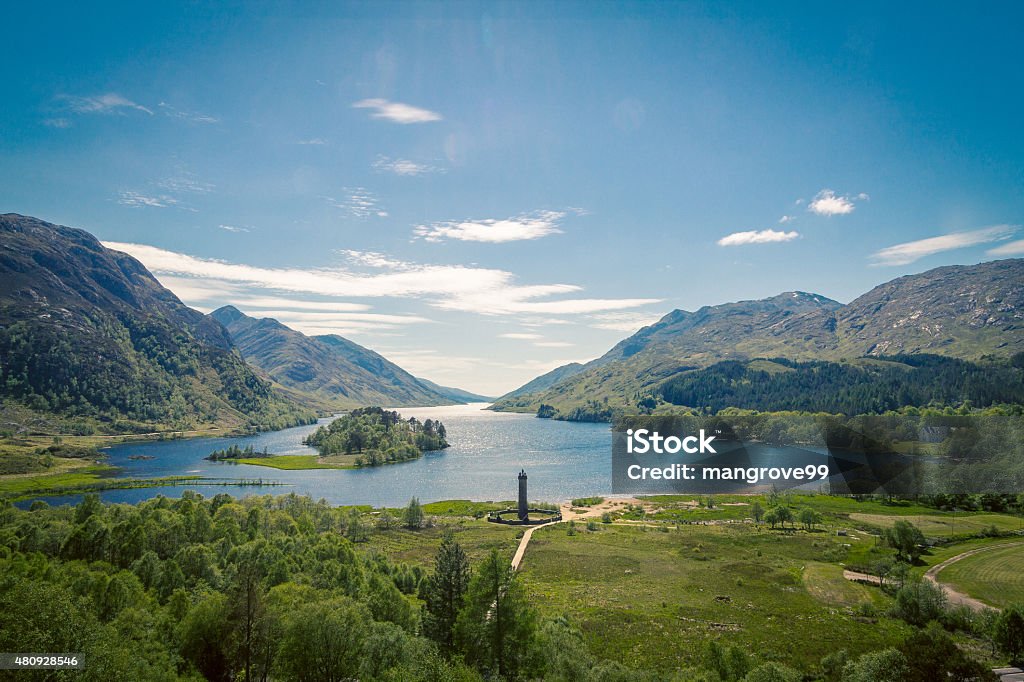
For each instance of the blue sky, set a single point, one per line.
(482, 192)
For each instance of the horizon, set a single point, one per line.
(461, 188)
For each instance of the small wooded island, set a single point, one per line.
(377, 436)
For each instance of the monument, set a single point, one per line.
(524, 508)
(520, 515)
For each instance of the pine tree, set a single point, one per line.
(496, 626)
(445, 592)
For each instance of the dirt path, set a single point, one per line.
(611, 504)
(954, 596)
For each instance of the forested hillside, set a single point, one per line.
(89, 334)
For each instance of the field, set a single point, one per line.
(647, 597)
(995, 576)
(293, 462)
(944, 525)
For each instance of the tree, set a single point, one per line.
(322, 641)
(773, 672)
(496, 626)
(757, 511)
(1008, 632)
(906, 539)
(931, 654)
(412, 516)
(809, 518)
(784, 514)
(887, 665)
(919, 602)
(444, 592)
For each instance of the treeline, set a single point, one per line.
(134, 374)
(378, 436)
(235, 452)
(267, 588)
(876, 386)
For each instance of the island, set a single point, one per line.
(372, 436)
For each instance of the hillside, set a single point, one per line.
(88, 334)
(339, 372)
(456, 394)
(964, 312)
(545, 381)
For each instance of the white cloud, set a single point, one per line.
(137, 200)
(192, 116)
(909, 252)
(521, 335)
(374, 259)
(624, 322)
(403, 166)
(232, 228)
(527, 226)
(554, 344)
(103, 104)
(757, 237)
(786, 219)
(358, 202)
(828, 203)
(1014, 248)
(397, 112)
(185, 182)
(451, 287)
(315, 141)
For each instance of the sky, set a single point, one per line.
(482, 192)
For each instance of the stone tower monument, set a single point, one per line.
(524, 508)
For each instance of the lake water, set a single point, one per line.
(563, 460)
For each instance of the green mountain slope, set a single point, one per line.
(545, 381)
(963, 312)
(89, 334)
(331, 368)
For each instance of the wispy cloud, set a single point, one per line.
(374, 259)
(386, 164)
(525, 336)
(786, 219)
(315, 141)
(1014, 248)
(757, 237)
(527, 226)
(137, 200)
(451, 287)
(828, 203)
(624, 321)
(397, 112)
(233, 228)
(358, 202)
(58, 122)
(185, 115)
(554, 344)
(909, 252)
(109, 103)
(185, 181)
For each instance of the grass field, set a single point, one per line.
(995, 576)
(945, 524)
(293, 462)
(413, 547)
(652, 598)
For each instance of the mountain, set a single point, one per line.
(338, 372)
(89, 334)
(964, 312)
(456, 394)
(545, 381)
